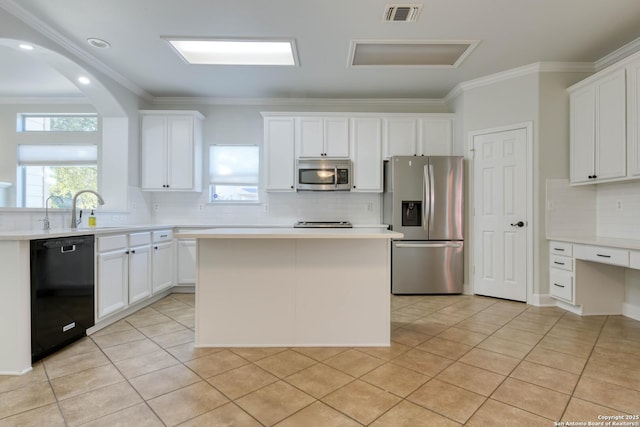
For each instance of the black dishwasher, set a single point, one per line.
(62, 292)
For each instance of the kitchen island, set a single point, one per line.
(292, 287)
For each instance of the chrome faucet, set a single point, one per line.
(46, 225)
(74, 221)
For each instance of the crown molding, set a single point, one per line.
(618, 54)
(32, 100)
(49, 32)
(535, 68)
(422, 102)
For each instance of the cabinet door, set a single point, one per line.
(336, 137)
(633, 118)
(180, 153)
(154, 152)
(310, 137)
(400, 137)
(582, 134)
(436, 138)
(139, 273)
(186, 261)
(611, 141)
(366, 146)
(113, 277)
(162, 262)
(278, 153)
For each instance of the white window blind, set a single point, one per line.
(234, 172)
(29, 155)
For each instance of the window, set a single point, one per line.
(56, 170)
(233, 173)
(57, 123)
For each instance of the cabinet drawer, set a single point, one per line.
(162, 236)
(634, 260)
(561, 248)
(111, 243)
(561, 284)
(140, 239)
(562, 262)
(603, 255)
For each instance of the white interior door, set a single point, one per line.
(500, 214)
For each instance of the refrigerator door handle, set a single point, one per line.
(432, 199)
(426, 201)
(428, 245)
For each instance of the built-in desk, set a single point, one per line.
(587, 275)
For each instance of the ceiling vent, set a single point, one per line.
(402, 12)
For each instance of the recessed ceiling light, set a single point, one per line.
(99, 43)
(25, 46)
(235, 51)
(431, 53)
(84, 80)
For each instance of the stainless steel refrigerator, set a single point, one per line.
(423, 199)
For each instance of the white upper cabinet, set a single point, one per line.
(598, 129)
(418, 136)
(322, 136)
(400, 136)
(171, 150)
(365, 138)
(633, 118)
(366, 151)
(279, 153)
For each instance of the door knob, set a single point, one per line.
(518, 224)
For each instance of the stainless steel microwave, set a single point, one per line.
(323, 175)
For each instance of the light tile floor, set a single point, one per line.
(454, 360)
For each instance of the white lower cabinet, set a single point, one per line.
(186, 261)
(124, 271)
(139, 273)
(162, 260)
(113, 278)
(561, 277)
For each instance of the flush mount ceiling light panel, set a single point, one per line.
(410, 53)
(235, 51)
(402, 12)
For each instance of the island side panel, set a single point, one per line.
(15, 305)
(245, 292)
(343, 292)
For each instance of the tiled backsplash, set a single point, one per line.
(611, 210)
(192, 208)
(619, 210)
(274, 209)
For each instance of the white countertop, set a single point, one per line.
(291, 233)
(68, 232)
(611, 242)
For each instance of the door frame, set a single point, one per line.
(531, 219)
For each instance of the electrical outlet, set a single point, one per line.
(370, 207)
(201, 207)
(551, 205)
(265, 207)
(156, 207)
(619, 205)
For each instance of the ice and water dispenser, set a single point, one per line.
(411, 214)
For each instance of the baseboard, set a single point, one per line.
(126, 312)
(543, 300)
(630, 310)
(183, 289)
